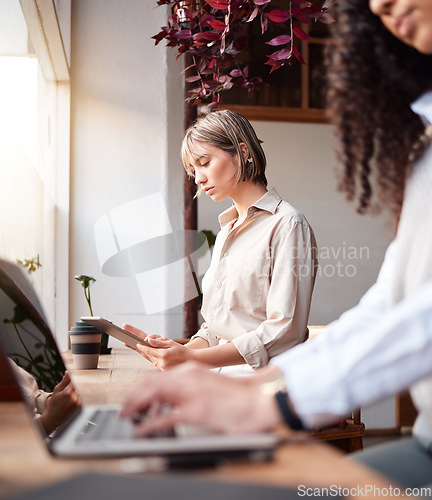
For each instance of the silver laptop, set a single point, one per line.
(27, 345)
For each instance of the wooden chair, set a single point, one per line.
(347, 435)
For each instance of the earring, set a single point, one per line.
(250, 161)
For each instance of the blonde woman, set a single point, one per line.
(257, 291)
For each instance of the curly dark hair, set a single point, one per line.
(372, 80)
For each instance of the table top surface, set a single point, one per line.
(25, 462)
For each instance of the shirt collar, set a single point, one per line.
(423, 107)
(269, 202)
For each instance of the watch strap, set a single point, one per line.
(288, 415)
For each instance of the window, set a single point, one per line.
(34, 138)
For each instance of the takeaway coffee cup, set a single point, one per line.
(85, 343)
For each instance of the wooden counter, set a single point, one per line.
(25, 462)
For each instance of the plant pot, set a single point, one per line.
(85, 343)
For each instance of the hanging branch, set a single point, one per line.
(211, 32)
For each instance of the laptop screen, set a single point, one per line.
(27, 341)
(27, 337)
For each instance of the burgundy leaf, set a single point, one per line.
(261, 2)
(246, 71)
(253, 15)
(299, 57)
(181, 50)
(235, 73)
(205, 19)
(217, 25)
(160, 36)
(187, 12)
(201, 65)
(259, 82)
(304, 14)
(275, 67)
(299, 33)
(264, 23)
(192, 79)
(295, 10)
(278, 15)
(279, 40)
(212, 105)
(218, 4)
(183, 34)
(210, 84)
(207, 36)
(224, 79)
(239, 14)
(280, 55)
(251, 91)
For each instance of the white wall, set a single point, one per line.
(127, 125)
(301, 165)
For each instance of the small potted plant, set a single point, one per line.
(87, 282)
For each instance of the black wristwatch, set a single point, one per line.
(277, 389)
(288, 415)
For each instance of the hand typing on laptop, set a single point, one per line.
(62, 402)
(214, 401)
(52, 409)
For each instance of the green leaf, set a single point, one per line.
(86, 281)
(211, 237)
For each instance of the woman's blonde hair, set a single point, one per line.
(226, 130)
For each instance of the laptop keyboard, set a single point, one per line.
(107, 425)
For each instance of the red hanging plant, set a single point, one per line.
(210, 31)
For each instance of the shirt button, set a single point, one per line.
(219, 286)
(225, 254)
(211, 317)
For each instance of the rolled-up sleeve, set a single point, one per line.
(33, 395)
(205, 333)
(291, 281)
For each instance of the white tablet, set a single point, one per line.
(115, 331)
